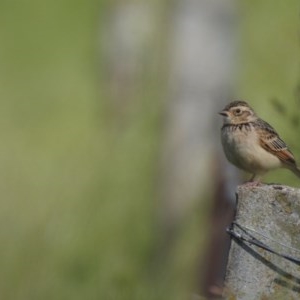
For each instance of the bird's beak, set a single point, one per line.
(223, 113)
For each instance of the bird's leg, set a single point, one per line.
(254, 181)
(252, 178)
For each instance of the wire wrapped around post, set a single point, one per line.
(264, 257)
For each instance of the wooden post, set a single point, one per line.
(271, 214)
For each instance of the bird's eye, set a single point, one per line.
(237, 111)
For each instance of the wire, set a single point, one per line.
(246, 237)
(266, 237)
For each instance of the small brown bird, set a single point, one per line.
(252, 144)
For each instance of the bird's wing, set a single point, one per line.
(270, 141)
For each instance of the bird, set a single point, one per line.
(252, 144)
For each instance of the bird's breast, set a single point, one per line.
(242, 148)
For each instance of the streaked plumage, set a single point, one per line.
(252, 144)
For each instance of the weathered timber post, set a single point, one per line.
(266, 215)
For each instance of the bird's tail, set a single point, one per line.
(296, 171)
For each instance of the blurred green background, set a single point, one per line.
(270, 70)
(78, 173)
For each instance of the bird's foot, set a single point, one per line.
(253, 183)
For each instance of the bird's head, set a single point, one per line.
(238, 112)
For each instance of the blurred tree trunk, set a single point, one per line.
(202, 61)
(198, 40)
(201, 53)
(129, 44)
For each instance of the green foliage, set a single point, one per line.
(78, 185)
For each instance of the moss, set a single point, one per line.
(284, 201)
